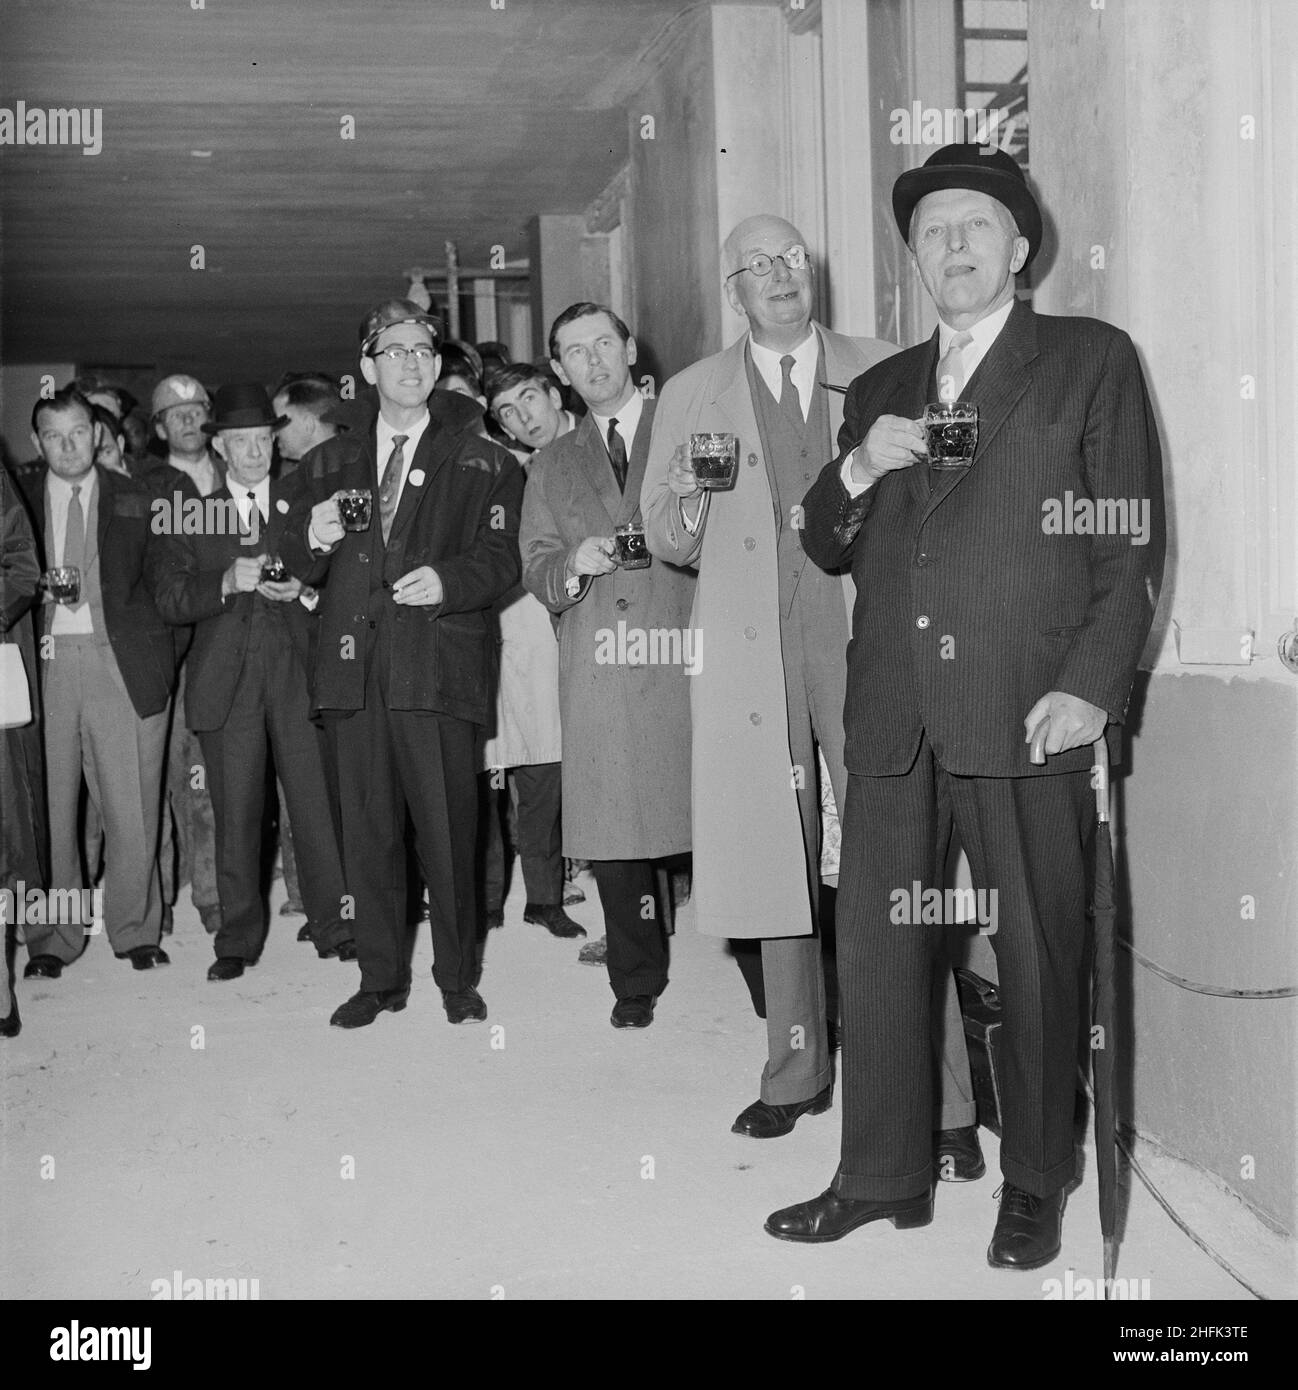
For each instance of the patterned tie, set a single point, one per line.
(74, 543)
(790, 402)
(390, 488)
(617, 455)
(950, 370)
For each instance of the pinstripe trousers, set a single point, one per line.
(1026, 838)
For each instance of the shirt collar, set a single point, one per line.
(984, 333)
(386, 434)
(628, 418)
(767, 360)
(62, 488)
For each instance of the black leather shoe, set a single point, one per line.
(304, 932)
(1027, 1233)
(366, 1005)
(147, 957)
(11, 1025)
(464, 1005)
(831, 1217)
(762, 1121)
(553, 918)
(225, 968)
(636, 1011)
(43, 968)
(957, 1155)
(344, 950)
(495, 917)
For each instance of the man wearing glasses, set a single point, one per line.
(401, 675)
(771, 694)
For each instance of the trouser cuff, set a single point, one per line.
(1039, 1183)
(861, 1187)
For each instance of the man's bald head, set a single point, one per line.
(735, 250)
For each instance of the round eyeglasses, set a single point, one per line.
(794, 258)
(394, 352)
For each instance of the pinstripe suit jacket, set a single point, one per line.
(970, 604)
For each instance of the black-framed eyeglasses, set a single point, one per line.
(794, 258)
(395, 352)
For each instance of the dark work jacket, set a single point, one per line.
(142, 643)
(458, 513)
(189, 592)
(968, 609)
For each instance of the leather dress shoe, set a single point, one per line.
(146, 957)
(831, 1217)
(11, 1025)
(225, 968)
(464, 1005)
(494, 917)
(304, 932)
(762, 1121)
(553, 918)
(43, 968)
(1027, 1233)
(367, 1004)
(594, 952)
(957, 1155)
(635, 1011)
(572, 894)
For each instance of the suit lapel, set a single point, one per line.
(435, 446)
(736, 400)
(909, 395)
(104, 504)
(593, 454)
(629, 502)
(996, 387)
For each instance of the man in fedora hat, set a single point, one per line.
(246, 697)
(978, 628)
(401, 675)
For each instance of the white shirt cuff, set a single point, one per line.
(695, 526)
(854, 489)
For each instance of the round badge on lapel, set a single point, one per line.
(416, 477)
(281, 506)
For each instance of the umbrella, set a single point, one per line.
(1104, 913)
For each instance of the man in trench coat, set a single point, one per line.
(625, 652)
(774, 684)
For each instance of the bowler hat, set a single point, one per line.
(983, 168)
(243, 406)
(394, 311)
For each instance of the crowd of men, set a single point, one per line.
(393, 612)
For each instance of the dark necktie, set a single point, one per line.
(617, 455)
(390, 487)
(74, 541)
(790, 403)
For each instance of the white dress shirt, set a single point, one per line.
(58, 496)
(383, 449)
(805, 357)
(984, 333)
(260, 495)
(628, 421)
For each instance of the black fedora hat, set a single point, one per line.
(983, 168)
(243, 406)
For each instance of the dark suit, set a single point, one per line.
(968, 611)
(106, 698)
(402, 688)
(247, 695)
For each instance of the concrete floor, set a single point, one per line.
(540, 1155)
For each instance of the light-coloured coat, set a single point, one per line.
(750, 872)
(626, 740)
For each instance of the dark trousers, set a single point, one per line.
(634, 916)
(1026, 839)
(536, 794)
(390, 763)
(268, 716)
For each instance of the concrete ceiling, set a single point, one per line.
(468, 120)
